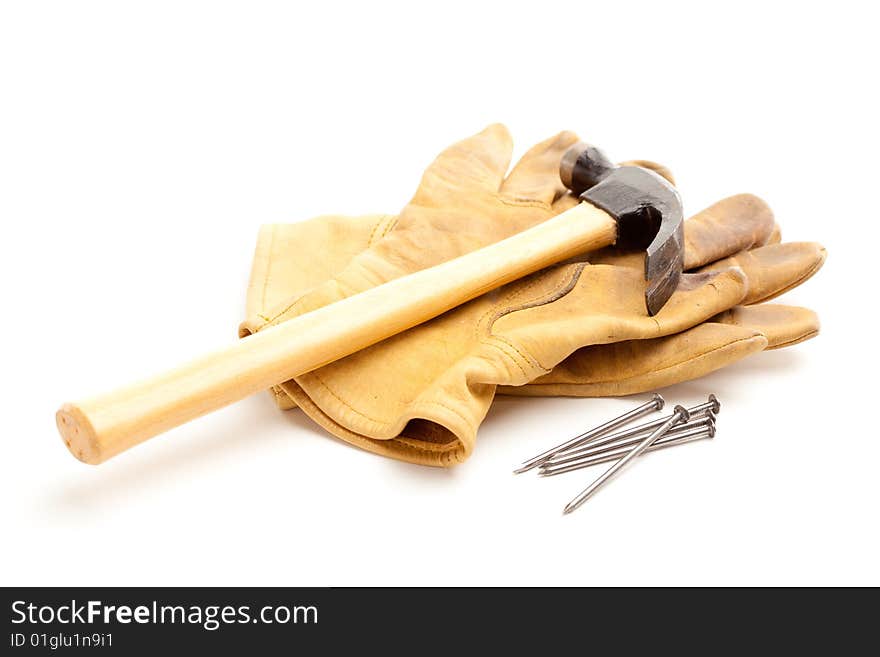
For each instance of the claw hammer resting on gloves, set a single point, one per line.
(627, 205)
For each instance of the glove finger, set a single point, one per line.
(324, 246)
(781, 325)
(625, 368)
(776, 268)
(607, 304)
(734, 224)
(695, 295)
(536, 176)
(475, 164)
(731, 225)
(630, 367)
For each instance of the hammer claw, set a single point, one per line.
(647, 209)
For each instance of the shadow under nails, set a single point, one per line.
(255, 424)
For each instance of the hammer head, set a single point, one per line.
(647, 209)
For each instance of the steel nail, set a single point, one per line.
(670, 440)
(655, 404)
(679, 416)
(712, 405)
(608, 445)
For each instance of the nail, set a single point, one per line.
(655, 404)
(679, 416)
(669, 440)
(608, 445)
(712, 405)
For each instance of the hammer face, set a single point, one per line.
(583, 166)
(649, 215)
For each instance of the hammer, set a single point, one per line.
(627, 205)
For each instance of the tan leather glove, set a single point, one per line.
(602, 370)
(463, 203)
(436, 382)
(629, 367)
(638, 366)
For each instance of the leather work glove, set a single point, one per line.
(634, 366)
(464, 202)
(565, 328)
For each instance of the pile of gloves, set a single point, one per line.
(578, 328)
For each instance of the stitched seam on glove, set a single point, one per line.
(513, 356)
(390, 221)
(523, 203)
(386, 222)
(318, 378)
(284, 311)
(492, 315)
(390, 224)
(564, 288)
(801, 338)
(453, 451)
(384, 423)
(668, 367)
(524, 362)
(791, 286)
(483, 328)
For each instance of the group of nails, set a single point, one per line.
(599, 445)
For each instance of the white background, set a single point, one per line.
(141, 146)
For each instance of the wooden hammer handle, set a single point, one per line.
(100, 427)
